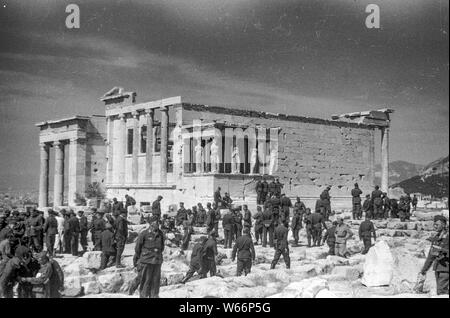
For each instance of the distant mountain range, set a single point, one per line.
(398, 171)
(432, 179)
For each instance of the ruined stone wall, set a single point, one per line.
(313, 153)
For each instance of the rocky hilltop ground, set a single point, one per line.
(313, 273)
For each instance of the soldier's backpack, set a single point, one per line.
(58, 274)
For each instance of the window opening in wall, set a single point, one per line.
(130, 142)
(143, 139)
(157, 139)
(246, 164)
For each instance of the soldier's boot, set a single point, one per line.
(288, 264)
(272, 265)
(185, 279)
(309, 242)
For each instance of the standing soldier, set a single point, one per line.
(148, 258)
(259, 192)
(217, 196)
(83, 230)
(201, 218)
(343, 233)
(181, 214)
(356, 200)
(330, 238)
(275, 205)
(308, 225)
(326, 201)
(286, 204)
(301, 208)
(196, 257)
(120, 237)
(272, 189)
(156, 206)
(227, 225)
(268, 223)
(316, 220)
(366, 229)
(209, 218)
(217, 218)
(188, 231)
(50, 230)
(237, 218)
(129, 201)
(296, 225)
(377, 203)
(247, 217)
(408, 205)
(394, 208)
(98, 225)
(278, 187)
(34, 227)
(386, 205)
(438, 256)
(106, 245)
(67, 238)
(258, 224)
(245, 253)
(116, 207)
(402, 209)
(281, 245)
(74, 229)
(414, 202)
(265, 190)
(209, 256)
(368, 207)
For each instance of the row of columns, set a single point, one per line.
(122, 144)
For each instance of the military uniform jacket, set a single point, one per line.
(217, 216)
(107, 242)
(210, 217)
(244, 248)
(217, 197)
(258, 220)
(83, 224)
(8, 275)
(438, 255)
(98, 225)
(237, 218)
(227, 221)
(156, 207)
(42, 283)
(196, 255)
(286, 203)
(267, 218)
(307, 220)
(272, 187)
(265, 187)
(367, 205)
(259, 186)
(330, 235)
(149, 247)
(296, 221)
(51, 225)
(366, 229)
(317, 220)
(210, 249)
(356, 192)
(35, 225)
(248, 218)
(376, 197)
(325, 196)
(181, 216)
(281, 237)
(74, 225)
(117, 207)
(299, 206)
(120, 227)
(201, 216)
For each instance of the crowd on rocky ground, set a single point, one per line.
(36, 273)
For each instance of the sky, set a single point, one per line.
(303, 57)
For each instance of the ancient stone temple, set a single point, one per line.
(184, 151)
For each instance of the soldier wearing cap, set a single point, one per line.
(50, 230)
(34, 226)
(366, 230)
(343, 234)
(98, 225)
(281, 245)
(209, 217)
(258, 224)
(245, 253)
(120, 236)
(227, 225)
(44, 283)
(209, 255)
(377, 202)
(438, 255)
(196, 257)
(356, 202)
(265, 190)
(181, 214)
(148, 258)
(156, 206)
(106, 245)
(368, 207)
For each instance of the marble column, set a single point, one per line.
(122, 141)
(43, 177)
(110, 150)
(135, 162)
(385, 159)
(164, 142)
(149, 147)
(77, 168)
(58, 192)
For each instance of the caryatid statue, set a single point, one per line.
(273, 161)
(236, 161)
(214, 157)
(198, 157)
(253, 160)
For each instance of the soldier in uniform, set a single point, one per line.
(129, 201)
(156, 206)
(116, 207)
(366, 230)
(83, 230)
(67, 238)
(286, 204)
(386, 205)
(209, 218)
(217, 218)
(414, 202)
(148, 258)
(188, 230)
(258, 224)
(44, 283)
(209, 256)
(227, 225)
(226, 200)
(402, 209)
(275, 206)
(368, 207)
(330, 238)
(50, 229)
(265, 190)
(301, 208)
(356, 202)
(34, 228)
(326, 201)
(196, 260)
(272, 189)
(181, 214)
(377, 203)
(201, 218)
(259, 192)
(245, 253)
(268, 226)
(278, 188)
(237, 218)
(317, 221)
(120, 237)
(217, 196)
(98, 225)
(438, 255)
(74, 229)
(343, 233)
(281, 245)
(308, 225)
(394, 208)
(107, 245)
(247, 217)
(296, 225)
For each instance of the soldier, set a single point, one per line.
(201, 218)
(356, 201)
(275, 205)
(74, 229)
(377, 203)
(245, 253)
(50, 230)
(272, 189)
(129, 201)
(402, 209)
(45, 283)
(227, 200)
(259, 192)
(438, 256)
(148, 258)
(367, 207)
(386, 205)
(258, 224)
(330, 238)
(217, 196)
(67, 238)
(194, 214)
(326, 201)
(181, 214)
(237, 222)
(34, 226)
(83, 230)
(281, 245)
(366, 229)
(30, 267)
(209, 256)
(106, 245)
(285, 204)
(301, 208)
(209, 218)
(9, 274)
(308, 225)
(320, 207)
(227, 225)
(268, 226)
(247, 217)
(296, 225)
(116, 207)
(408, 205)
(156, 206)
(278, 188)
(217, 218)
(120, 237)
(98, 225)
(316, 220)
(394, 208)
(414, 202)
(265, 190)
(196, 256)
(343, 233)
(188, 230)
